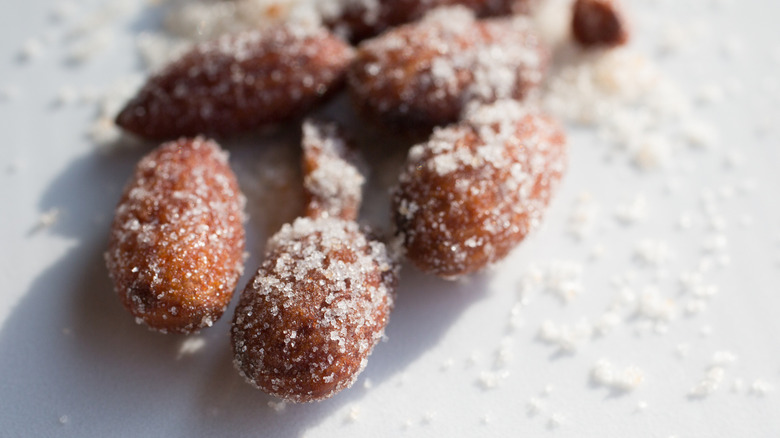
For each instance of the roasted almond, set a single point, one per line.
(307, 322)
(360, 19)
(599, 23)
(423, 74)
(177, 239)
(332, 178)
(239, 82)
(475, 189)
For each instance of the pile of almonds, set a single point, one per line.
(455, 71)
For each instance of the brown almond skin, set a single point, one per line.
(357, 21)
(464, 202)
(307, 322)
(423, 74)
(599, 23)
(238, 83)
(176, 247)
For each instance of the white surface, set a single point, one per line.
(73, 363)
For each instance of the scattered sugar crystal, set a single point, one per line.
(606, 323)
(64, 419)
(354, 414)
(103, 132)
(277, 406)
(503, 354)
(653, 306)
(708, 384)
(710, 94)
(694, 283)
(491, 379)
(515, 317)
(597, 252)
(738, 386)
(717, 222)
(31, 49)
(90, 45)
(623, 94)
(368, 383)
(632, 211)
(715, 243)
(671, 186)
(447, 364)
(66, 95)
(567, 338)
(548, 389)
(486, 419)
(734, 159)
(723, 358)
(674, 37)
(760, 388)
(685, 221)
(191, 345)
(428, 417)
(563, 279)
(605, 374)
(696, 306)
(556, 420)
(48, 218)
(582, 218)
(682, 350)
(653, 153)
(700, 135)
(652, 252)
(534, 406)
(641, 406)
(705, 331)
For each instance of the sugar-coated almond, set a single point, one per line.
(423, 74)
(599, 23)
(360, 19)
(332, 179)
(312, 314)
(239, 82)
(474, 190)
(177, 239)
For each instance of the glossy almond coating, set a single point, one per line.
(332, 180)
(359, 19)
(239, 82)
(176, 248)
(319, 303)
(599, 23)
(423, 74)
(475, 189)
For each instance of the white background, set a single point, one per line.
(73, 362)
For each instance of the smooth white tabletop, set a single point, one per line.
(458, 360)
